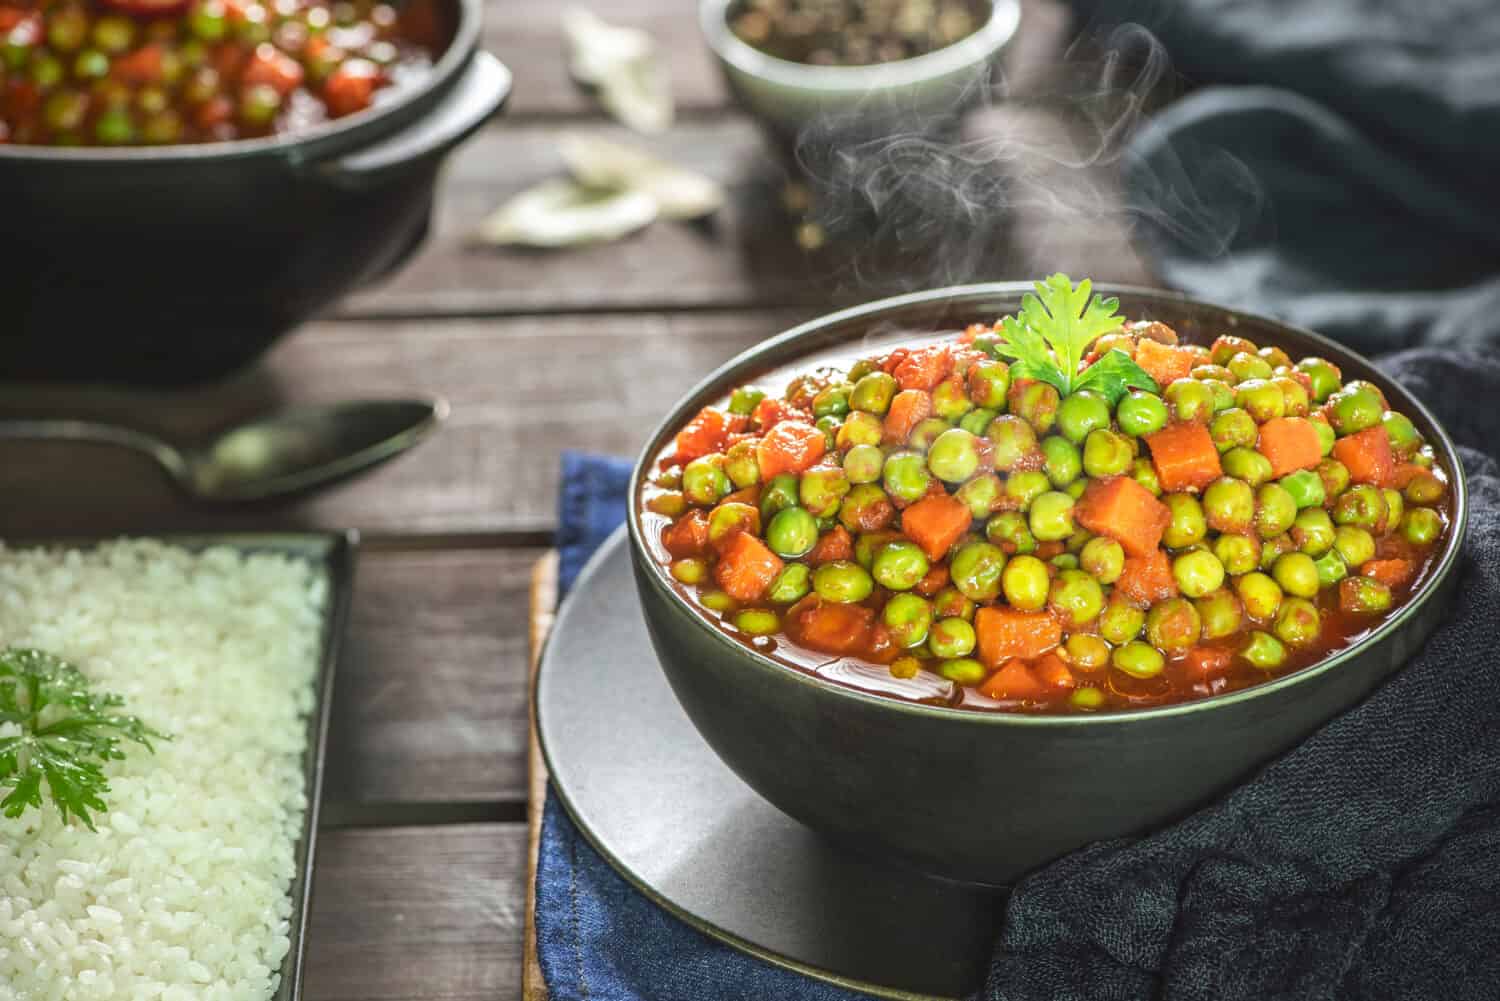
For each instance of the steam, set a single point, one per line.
(916, 202)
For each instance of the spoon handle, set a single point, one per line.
(93, 431)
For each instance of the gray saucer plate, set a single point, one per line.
(655, 801)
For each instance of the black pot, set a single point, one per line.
(160, 266)
(984, 797)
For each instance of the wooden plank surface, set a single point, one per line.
(542, 611)
(418, 914)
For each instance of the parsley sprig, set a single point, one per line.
(1048, 337)
(67, 734)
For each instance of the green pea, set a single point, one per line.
(1080, 538)
(951, 638)
(1239, 554)
(1198, 572)
(745, 399)
(1037, 404)
(1305, 487)
(67, 29)
(954, 456)
(1086, 698)
(65, 110)
(1106, 453)
(742, 465)
(1076, 489)
(866, 507)
(791, 584)
(1260, 595)
(989, 382)
(1227, 346)
(1362, 505)
(1425, 488)
(1275, 357)
(1011, 531)
(821, 490)
(976, 570)
(859, 428)
(867, 544)
(1012, 441)
(1425, 457)
(777, 495)
(1275, 510)
(1144, 473)
(1212, 373)
(1326, 436)
(830, 426)
(1264, 651)
(1247, 367)
(1395, 507)
(950, 400)
(1026, 583)
(989, 342)
(909, 618)
(731, 518)
(208, 20)
(1188, 525)
(792, 532)
(1335, 477)
(1062, 462)
(1080, 413)
(926, 432)
(1077, 596)
(1297, 574)
(1233, 428)
(905, 476)
(1313, 531)
(862, 463)
(1354, 544)
(1141, 413)
(1323, 375)
(46, 70)
(669, 502)
(1052, 516)
(1104, 558)
(1363, 595)
(1121, 622)
(1173, 625)
(1190, 400)
(976, 422)
(1421, 525)
(949, 603)
(1331, 569)
(831, 401)
(1274, 548)
(1139, 660)
(873, 393)
(758, 622)
(981, 495)
(1229, 505)
(843, 582)
(716, 601)
(690, 571)
(1261, 399)
(1247, 464)
(1064, 561)
(1355, 408)
(1219, 613)
(962, 670)
(1222, 393)
(1085, 652)
(1294, 394)
(704, 481)
(1026, 486)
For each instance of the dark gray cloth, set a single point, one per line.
(1363, 865)
(1337, 164)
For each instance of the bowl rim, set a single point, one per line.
(459, 51)
(991, 36)
(713, 384)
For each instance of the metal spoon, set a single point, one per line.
(285, 453)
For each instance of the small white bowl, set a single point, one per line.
(789, 96)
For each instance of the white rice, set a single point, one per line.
(182, 895)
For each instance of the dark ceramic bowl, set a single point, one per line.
(175, 264)
(984, 797)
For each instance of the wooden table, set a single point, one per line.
(420, 892)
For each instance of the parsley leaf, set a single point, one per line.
(1048, 337)
(67, 734)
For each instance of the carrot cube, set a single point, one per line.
(1147, 579)
(909, 408)
(1391, 573)
(925, 367)
(1291, 443)
(1368, 456)
(1164, 362)
(1184, 456)
(1054, 673)
(1004, 632)
(1122, 509)
(746, 568)
(935, 523)
(1013, 683)
(834, 544)
(688, 535)
(830, 626)
(789, 447)
(703, 435)
(1206, 661)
